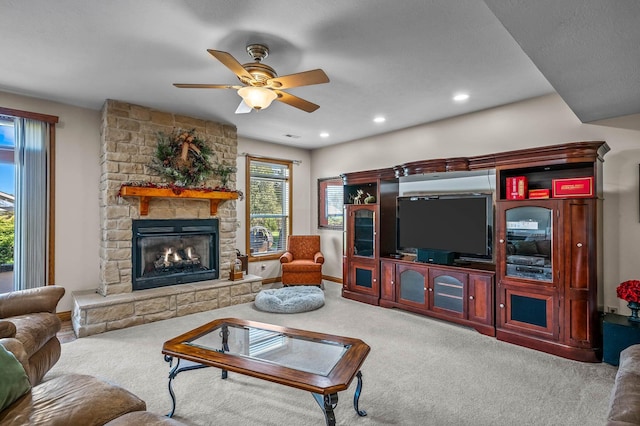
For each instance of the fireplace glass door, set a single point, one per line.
(175, 251)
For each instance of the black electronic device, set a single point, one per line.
(439, 257)
(459, 223)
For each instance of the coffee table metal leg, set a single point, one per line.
(224, 333)
(327, 403)
(356, 396)
(172, 375)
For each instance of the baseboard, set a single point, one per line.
(279, 279)
(334, 279)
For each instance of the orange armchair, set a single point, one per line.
(302, 262)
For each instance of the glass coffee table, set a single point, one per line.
(320, 363)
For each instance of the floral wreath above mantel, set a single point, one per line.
(182, 158)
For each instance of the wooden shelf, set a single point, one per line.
(146, 193)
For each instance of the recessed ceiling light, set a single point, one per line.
(379, 119)
(324, 135)
(461, 97)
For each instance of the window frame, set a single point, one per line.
(289, 214)
(323, 207)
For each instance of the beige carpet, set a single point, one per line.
(420, 372)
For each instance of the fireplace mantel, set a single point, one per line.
(146, 193)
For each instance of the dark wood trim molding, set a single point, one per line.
(64, 316)
(51, 250)
(571, 152)
(271, 280)
(51, 119)
(563, 153)
(372, 175)
(332, 279)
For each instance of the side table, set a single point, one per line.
(618, 333)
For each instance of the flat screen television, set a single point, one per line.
(460, 223)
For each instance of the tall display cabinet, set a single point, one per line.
(548, 251)
(369, 231)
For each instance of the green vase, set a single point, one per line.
(634, 306)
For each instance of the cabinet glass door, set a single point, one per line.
(448, 293)
(412, 286)
(528, 312)
(364, 233)
(529, 243)
(363, 277)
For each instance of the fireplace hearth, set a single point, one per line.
(174, 251)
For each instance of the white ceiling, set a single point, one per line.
(401, 59)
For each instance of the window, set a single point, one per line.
(7, 202)
(28, 199)
(269, 201)
(330, 203)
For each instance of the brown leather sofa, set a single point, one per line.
(28, 323)
(302, 262)
(28, 327)
(624, 404)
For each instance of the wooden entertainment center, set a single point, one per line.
(540, 290)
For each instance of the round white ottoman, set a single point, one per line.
(289, 300)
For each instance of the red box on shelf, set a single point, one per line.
(573, 187)
(539, 193)
(516, 188)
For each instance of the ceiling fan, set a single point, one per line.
(261, 84)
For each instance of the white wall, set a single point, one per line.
(541, 121)
(536, 122)
(77, 178)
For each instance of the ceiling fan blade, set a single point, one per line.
(206, 86)
(243, 108)
(231, 63)
(305, 78)
(295, 101)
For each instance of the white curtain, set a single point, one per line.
(31, 203)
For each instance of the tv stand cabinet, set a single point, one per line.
(463, 295)
(545, 300)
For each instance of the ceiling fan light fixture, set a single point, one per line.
(257, 97)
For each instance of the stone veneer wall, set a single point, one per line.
(129, 140)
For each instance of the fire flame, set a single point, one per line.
(171, 255)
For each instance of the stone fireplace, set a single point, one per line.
(173, 251)
(128, 143)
